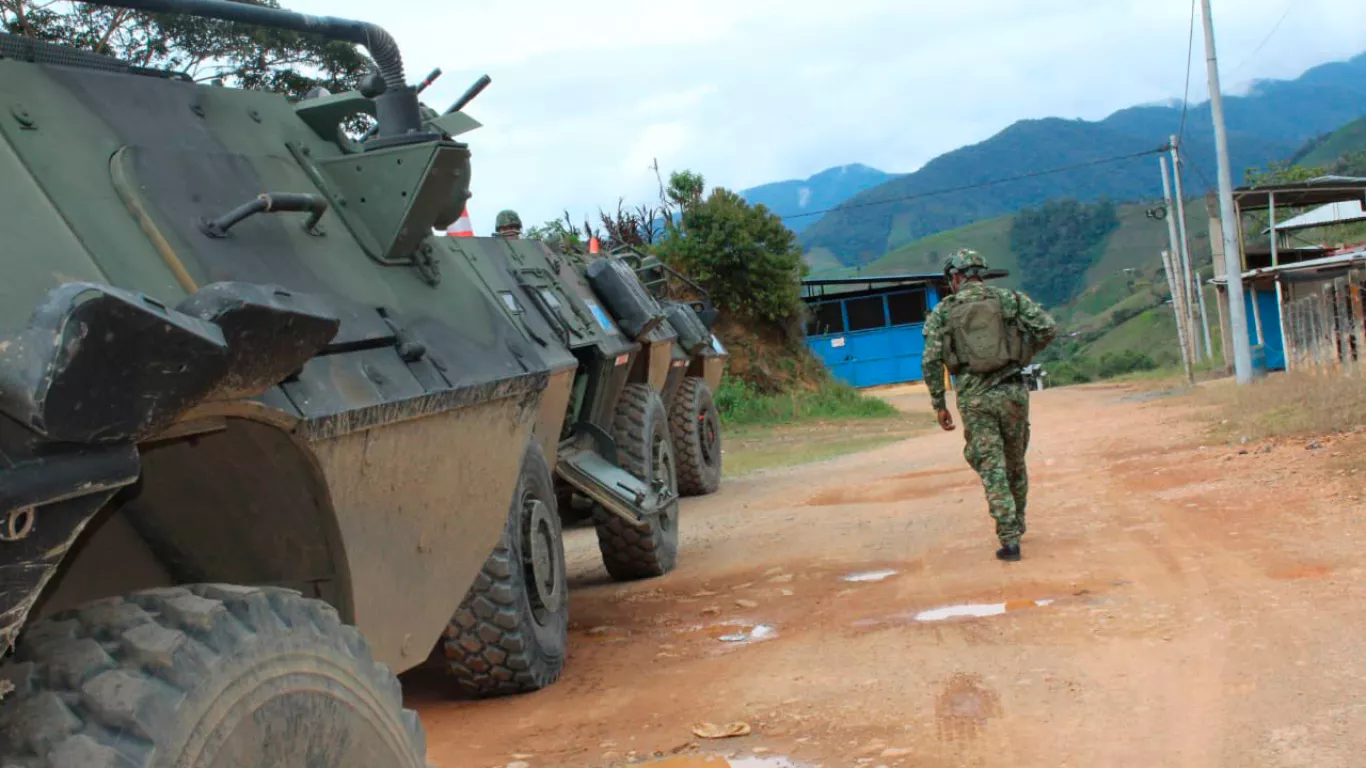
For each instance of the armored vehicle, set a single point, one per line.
(259, 429)
(617, 358)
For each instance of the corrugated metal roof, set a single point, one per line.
(1332, 213)
(1336, 261)
(1325, 189)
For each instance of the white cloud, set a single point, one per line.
(586, 94)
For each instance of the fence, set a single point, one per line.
(1325, 331)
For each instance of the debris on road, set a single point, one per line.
(727, 731)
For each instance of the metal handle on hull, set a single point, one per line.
(289, 202)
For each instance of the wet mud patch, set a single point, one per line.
(964, 707)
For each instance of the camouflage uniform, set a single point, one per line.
(994, 407)
(508, 225)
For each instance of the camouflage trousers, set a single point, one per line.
(996, 427)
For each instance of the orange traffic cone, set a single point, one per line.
(592, 245)
(462, 226)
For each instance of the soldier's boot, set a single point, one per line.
(1009, 552)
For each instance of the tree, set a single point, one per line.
(743, 255)
(556, 234)
(240, 55)
(1057, 243)
(1282, 173)
(685, 189)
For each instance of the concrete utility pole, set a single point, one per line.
(1192, 275)
(1177, 288)
(1182, 255)
(1233, 268)
(1173, 280)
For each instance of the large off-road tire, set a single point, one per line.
(510, 633)
(644, 448)
(206, 676)
(696, 429)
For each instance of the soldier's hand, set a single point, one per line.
(945, 420)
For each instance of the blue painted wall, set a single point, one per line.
(1273, 345)
(875, 356)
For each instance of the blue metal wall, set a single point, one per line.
(875, 356)
(1273, 346)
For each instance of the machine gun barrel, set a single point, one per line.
(428, 80)
(469, 95)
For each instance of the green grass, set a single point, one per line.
(1139, 241)
(741, 405)
(1151, 332)
(822, 261)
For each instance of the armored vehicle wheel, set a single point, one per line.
(206, 676)
(510, 633)
(696, 429)
(644, 448)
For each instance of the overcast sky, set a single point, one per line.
(585, 94)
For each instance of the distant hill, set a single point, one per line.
(825, 190)
(1270, 123)
(1136, 244)
(1324, 150)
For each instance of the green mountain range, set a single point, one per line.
(1120, 312)
(1269, 123)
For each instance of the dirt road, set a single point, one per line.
(1178, 605)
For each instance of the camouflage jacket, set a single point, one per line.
(1038, 327)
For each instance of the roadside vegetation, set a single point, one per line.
(1287, 405)
(742, 404)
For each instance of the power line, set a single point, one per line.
(1266, 39)
(1186, 98)
(978, 185)
(1194, 167)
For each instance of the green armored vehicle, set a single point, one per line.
(260, 430)
(617, 357)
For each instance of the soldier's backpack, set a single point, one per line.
(980, 338)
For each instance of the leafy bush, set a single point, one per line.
(1114, 364)
(742, 254)
(1064, 374)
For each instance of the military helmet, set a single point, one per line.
(965, 262)
(507, 219)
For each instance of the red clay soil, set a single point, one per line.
(1177, 605)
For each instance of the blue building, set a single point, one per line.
(868, 330)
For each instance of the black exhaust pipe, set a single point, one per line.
(399, 115)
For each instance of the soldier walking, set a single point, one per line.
(984, 335)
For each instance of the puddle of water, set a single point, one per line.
(752, 635)
(736, 632)
(870, 575)
(979, 610)
(718, 761)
